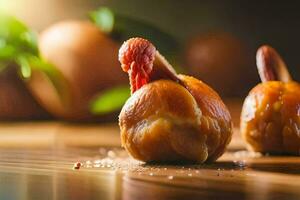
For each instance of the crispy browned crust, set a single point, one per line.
(165, 121)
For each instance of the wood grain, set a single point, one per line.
(36, 161)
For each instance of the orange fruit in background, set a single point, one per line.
(88, 62)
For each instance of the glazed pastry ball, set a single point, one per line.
(270, 120)
(169, 117)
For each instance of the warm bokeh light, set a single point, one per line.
(7, 5)
(84, 117)
(41, 13)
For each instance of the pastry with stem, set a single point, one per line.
(169, 117)
(270, 119)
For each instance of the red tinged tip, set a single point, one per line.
(136, 56)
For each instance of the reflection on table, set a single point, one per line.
(108, 173)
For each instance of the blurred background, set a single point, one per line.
(211, 40)
(59, 64)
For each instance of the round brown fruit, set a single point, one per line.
(222, 61)
(88, 62)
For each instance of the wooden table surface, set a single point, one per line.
(37, 158)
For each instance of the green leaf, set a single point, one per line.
(7, 53)
(18, 45)
(54, 75)
(25, 68)
(110, 100)
(15, 41)
(104, 18)
(11, 27)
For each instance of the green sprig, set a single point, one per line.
(110, 100)
(18, 45)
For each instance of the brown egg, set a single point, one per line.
(270, 120)
(169, 117)
(87, 61)
(16, 102)
(222, 61)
